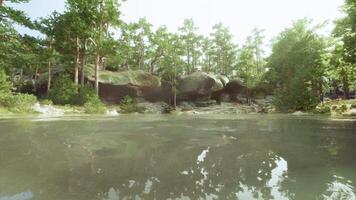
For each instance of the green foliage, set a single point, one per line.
(191, 42)
(323, 109)
(64, 91)
(46, 102)
(295, 68)
(250, 64)
(224, 50)
(18, 103)
(5, 85)
(343, 108)
(86, 94)
(353, 106)
(94, 106)
(128, 106)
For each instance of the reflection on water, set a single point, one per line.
(135, 157)
(21, 196)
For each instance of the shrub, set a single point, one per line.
(353, 106)
(64, 91)
(46, 102)
(128, 106)
(334, 108)
(18, 103)
(94, 105)
(343, 108)
(5, 85)
(85, 94)
(323, 109)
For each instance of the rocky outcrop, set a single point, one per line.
(200, 85)
(116, 85)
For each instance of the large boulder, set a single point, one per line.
(113, 86)
(200, 85)
(235, 86)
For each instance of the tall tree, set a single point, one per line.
(106, 15)
(192, 43)
(345, 30)
(295, 67)
(224, 49)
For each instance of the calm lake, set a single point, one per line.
(178, 157)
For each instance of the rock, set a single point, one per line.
(185, 106)
(235, 87)
(199, 85)
(48, 110)
(112, 113)
(155, 108)
(300, 113)
(205, 103)
(116, 85)
(352, 112)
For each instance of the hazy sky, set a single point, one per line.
(240, 15)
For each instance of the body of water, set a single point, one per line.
(178, 157)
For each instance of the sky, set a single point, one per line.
(241, 16)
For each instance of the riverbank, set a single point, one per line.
(335, 108)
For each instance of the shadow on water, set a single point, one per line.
(184, 157)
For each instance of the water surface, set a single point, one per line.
(178, 157)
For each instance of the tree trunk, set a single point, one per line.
(49, 72)
(174, 97)
(97, 63)
(77, 59)
(35, 80)
(83, 61)
(345, 82)
(49, 76)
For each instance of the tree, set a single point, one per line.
(295, 67)
(8, 13)
(250, 62)
(192, 43)
(171, 64)
(159, 43)
(106, 15)
(46, 26)
(224, 49)
(345, 52)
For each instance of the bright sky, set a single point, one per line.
(241, 16)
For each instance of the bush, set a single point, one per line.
(323, 109)
(46, 102)
(5, 85)
(334, 108)
(294, 100)
(353, 106)
(343, 108)
(128, 106)
(94, 105)
(18, 103)
(85, 94)
(64, 91)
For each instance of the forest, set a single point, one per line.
(84, 50)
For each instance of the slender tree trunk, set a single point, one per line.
(21, 79)
(97, 63)
(35, 80)
(345, 82)
(49, 71)
(188, 67)
(142, 55)
(83, 62)
(77, 59)
(49, 76)
(174, 97)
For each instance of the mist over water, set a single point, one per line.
(178, 157)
